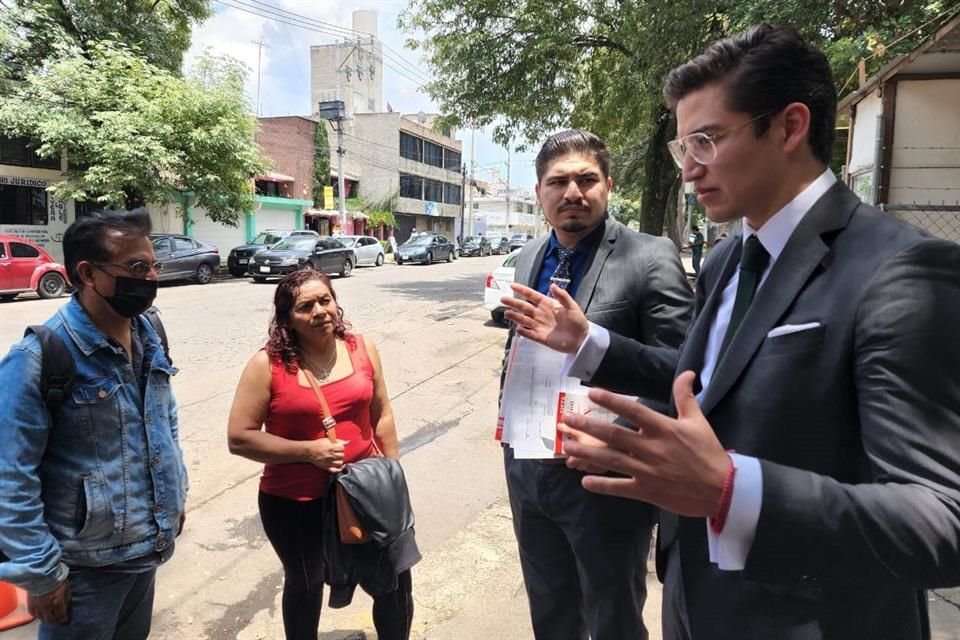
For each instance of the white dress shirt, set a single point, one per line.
(728, 549)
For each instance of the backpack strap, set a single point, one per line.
(153, 317)
(56, 368)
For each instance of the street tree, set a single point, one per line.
(531, 67)
(135, 133)
(43, 29)
(321, 164)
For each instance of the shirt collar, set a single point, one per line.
(585, 245)
(777, 230)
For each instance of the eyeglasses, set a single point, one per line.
(701, 146)
(139, 268)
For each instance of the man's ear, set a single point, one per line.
(85, 272)
(796, 126)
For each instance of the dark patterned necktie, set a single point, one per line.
(753, 262)
(562, 272)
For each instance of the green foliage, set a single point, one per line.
(321, 164)
(377, 211)
(46, 29)
(531, 67)
(136, 133)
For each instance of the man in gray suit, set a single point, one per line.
(820, 354)
(584, 556)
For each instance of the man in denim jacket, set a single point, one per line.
(92, 498)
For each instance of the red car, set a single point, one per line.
(24, 266)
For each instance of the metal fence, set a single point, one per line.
(942, 220)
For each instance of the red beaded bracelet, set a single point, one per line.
(726, 496)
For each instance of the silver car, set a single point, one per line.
(367, 249)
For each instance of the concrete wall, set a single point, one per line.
(328, 64)
(925, 166)
(373, 154)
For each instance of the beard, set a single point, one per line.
(573, 226)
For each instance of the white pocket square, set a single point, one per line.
(785, 329)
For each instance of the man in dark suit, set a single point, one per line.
(819, 354)
(584, 556)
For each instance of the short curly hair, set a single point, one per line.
(282, 341)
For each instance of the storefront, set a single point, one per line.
(29, 211)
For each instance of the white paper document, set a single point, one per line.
(536, 396)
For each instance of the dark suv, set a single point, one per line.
(239, 258)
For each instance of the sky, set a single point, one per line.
(284, 64)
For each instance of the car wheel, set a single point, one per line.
(347, 268)
(204, 273)
(379, 261)
(51, 285)
(399, 260)
(450, 257)
(429, 259)
(7, 297)
(238, 273)
(259, 280)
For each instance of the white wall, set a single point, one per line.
(219, 235)
(925, 166)
(266, 218)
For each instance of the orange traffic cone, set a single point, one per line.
(13, 607)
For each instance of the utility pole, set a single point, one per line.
(473, 167)
(335, 112)
(508, 189)
(463, 198)
(260, 47)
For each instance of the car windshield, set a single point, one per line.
(348, 242)
(518, 236)
(473, 239)
(296, 244)
(266, 237)
(419, 240)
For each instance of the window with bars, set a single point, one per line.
(19, 152)
(23, 205)
(411, 186)
(411, 147)
(433, 190)
(432, 154)
(451, 193)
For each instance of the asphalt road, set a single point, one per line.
(441, 357)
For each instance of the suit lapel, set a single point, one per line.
(695, 346)
(803, 253)
(588, 285)
(528, 269)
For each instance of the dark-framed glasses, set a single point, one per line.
(139, 268)
(702, 147)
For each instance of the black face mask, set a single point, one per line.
(131, 296)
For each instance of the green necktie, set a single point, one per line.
(753, 261)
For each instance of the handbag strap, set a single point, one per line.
(326, 417)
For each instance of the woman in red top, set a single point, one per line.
(276, 419)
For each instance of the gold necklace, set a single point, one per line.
(322, 373)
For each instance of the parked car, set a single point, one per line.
(517, 240)
(498, 285)
(476, 246)
(239, 258)
(327, 255)
(367, 249)
(25, 266)
(425, 248)
(185, 258)
(499, 244)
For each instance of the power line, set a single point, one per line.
(309, 24)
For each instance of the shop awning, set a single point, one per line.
(275, 177)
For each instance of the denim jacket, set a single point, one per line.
(103, 484)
